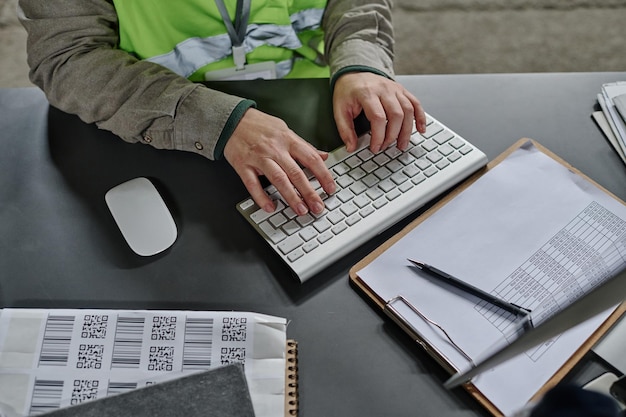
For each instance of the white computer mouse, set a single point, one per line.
(142, 216)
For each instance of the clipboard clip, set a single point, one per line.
(393, 312)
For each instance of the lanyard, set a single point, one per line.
(237, 32)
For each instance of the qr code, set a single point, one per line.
(84, 390)
(232, 355)
(94, 326)
(161, 358)
(163, 328)
(234, 329)
(90, 356)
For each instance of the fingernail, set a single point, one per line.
(301, 209)
(317, 208)
(269, 208)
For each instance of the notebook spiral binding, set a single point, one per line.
(291, 381)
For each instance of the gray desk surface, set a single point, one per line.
(61, 248)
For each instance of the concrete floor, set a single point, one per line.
(455, 36)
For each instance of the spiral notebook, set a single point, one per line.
(530, 229)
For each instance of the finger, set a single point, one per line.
(418, 112)
(307, 156)
(345, 127)
(407, 124)
(288, 177)
(395, 119)
(375, 113)
(251, 181)
(317, 167)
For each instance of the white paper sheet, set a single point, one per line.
(605, 99)
(56, 358)
(521, 232)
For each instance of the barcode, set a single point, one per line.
(120, 387)
(127, 342)
(198, 343)
(47, 396)
(55, 348)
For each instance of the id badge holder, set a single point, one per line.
(265, 70)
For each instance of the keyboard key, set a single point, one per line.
(354, 161)
(434, 157)
(332, 202)
(422, 163)
(387, 185)
(369, 166)
(393, 152)
(261, 215)
(339, 228)
(335, 216)
(444, 163)
(247, 204)
(349, 208)
(417, 152)
(366, 211)
(445, 149)
(382, 173)
(398, 178)
(278, 220)
(291, 227)
(345, 195)
(361, 200)
(358, 187)
(308, 233)
(295, 255)
(341, 168)
(411, 171)
(430, 171)
(352, 220)
(275, 235)
(406, 158)
(309, 246)
(325, 237)
(380, 202)
(305, 220)
(365, 154)
(370, 180)
(344, 181)
(432, 129)
(393, 194)
(357, 173)
(289, 244)
(443, 137)
(406, 186)
(429, 145)
(374, 193)
(321, 225)
(381, 159)
(454, 157)
(394, 166)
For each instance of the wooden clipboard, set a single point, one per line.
(382, 304)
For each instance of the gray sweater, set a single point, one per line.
(74, 59)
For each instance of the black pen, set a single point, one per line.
(439, 274)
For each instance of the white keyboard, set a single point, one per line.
(374, 191)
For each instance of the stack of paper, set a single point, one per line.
(612, 118)
(51, 359)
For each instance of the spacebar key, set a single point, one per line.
(289, 244)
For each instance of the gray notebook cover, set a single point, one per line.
(220, 392)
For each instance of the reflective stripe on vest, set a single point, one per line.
(192, 54)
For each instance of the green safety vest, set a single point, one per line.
(190, 38)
